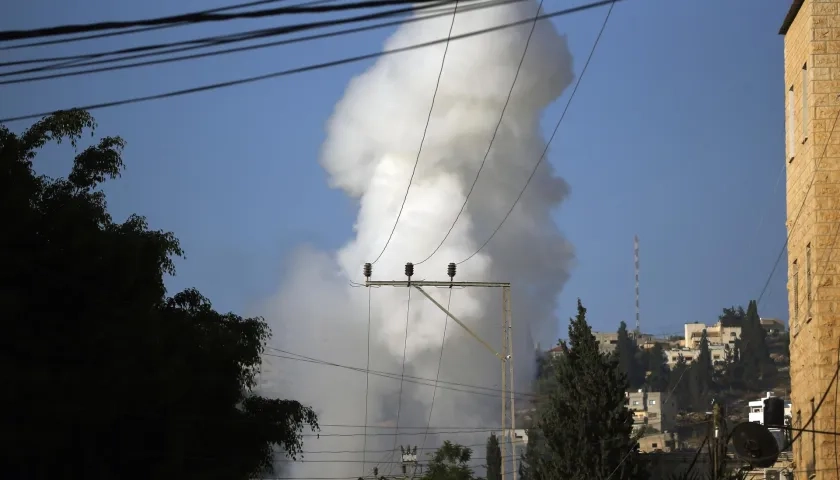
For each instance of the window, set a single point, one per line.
(731, 334)
(635, 402)
(804, 102)
(791, 126)
(808, 278)
(653, 415)
(653, 402)
(654, 445)
(795, 279)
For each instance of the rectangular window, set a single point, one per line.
(791, 125)
(804, 102)
(795, 280)
(808, 279)
(653, 402)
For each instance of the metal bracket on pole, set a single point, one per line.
(473, 334)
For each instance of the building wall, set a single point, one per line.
(812, 151)
(649, 409)
(718, 353)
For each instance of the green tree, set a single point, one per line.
(494, 458)
(678, 383)
(108, 377)
(585, 417)
(450, 462)
(701, 375)
(732, 316)
(657, 368)
(626, 352)
(757, 367)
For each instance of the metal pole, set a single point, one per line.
(473, 334)
(509, 321)
(503, 440)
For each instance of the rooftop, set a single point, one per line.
(791, 15)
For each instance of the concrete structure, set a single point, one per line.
(716, 334)
(672, 355)
(659, 442)
(606, 341)
(650, 410)
(773, 326)
(811, 32)
(756, 409)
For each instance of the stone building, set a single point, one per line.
(811, 32)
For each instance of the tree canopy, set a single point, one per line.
(584, 417)
(450, 462)
(494, 458)
(627, 355)
(108, 377)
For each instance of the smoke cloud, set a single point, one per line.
(370, 150)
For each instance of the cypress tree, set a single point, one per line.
(625, 351)
(701, 373)
(584, 430)
(494, 458)
(757, 367)
(657, 365)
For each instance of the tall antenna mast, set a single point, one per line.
(636, 261)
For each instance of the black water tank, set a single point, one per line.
(774, 412)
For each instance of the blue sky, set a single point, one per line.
(676, 134)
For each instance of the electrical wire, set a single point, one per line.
(804, 428)
(408, 378)
(367, 381)
(195, 18)
(70, 61)
(161, 49)
(553, 134)
(144, 29)
(440, 363)
(423, 138)
(799, 213)
(312, 67)
(402, 375)
(492, 138)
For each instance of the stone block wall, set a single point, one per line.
(812, 153)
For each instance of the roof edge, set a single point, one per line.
(791, 16)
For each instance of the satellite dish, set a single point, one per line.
(755, 445)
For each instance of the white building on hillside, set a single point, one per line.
(672, 355)
(717, 334)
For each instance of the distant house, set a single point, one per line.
(773, 326)
(717, 334)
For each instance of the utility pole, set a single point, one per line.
(509, 326)
(717, 444)
(505, 356)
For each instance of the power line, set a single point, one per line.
(492, 138)
(144, 29)
(408, 378)
(440, 363)
(194, 18)
(367, 379)
(70, 61)
(402, 375)
(423, 138)
(313, 67)
(553, 134)
(799, 213)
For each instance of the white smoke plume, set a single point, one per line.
(372, 142)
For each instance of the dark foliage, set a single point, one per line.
(584, 417)
(450, 462)
(627, 355)
(494, 458)
(106, 377)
